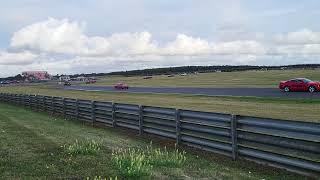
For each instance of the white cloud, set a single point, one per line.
(20, 58)
(186, 45)
(304, 36)
(65, 37)
(52, 35)
(240, 47)
(121, 44)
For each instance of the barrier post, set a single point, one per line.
(93, 114)
(234, 137)
(140, 119)
(77, 109)
(113, 115)
(178, 127)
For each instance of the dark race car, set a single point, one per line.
(67, 83)
(299, 84)
(121, 86)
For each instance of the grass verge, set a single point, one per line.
(32, 147)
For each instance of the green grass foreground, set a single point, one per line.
(33, 147)
(278, 108)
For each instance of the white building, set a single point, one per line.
(64, 78)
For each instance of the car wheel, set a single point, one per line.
(286, 89)
(312, 89)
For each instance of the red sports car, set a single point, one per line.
(299, 84)
(121, 86)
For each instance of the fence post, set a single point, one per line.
(93, 114)
(64, 107)
(178, 126)
(234, 137)
(52, 104)
(24, 100)
(15, 99)
(29, 101)
(36, 102)
(113, 115)
(77, 109)
(44, 100)
(140, 119)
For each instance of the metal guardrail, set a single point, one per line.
(292, 145)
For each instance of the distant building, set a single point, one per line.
(36, 75)
(64, 78)
(81, 78)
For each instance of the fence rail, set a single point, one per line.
(292, 145)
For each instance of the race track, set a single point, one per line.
(256, 92)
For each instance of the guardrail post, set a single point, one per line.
(23, 100)
(234, 137)
(113, 115)
(64, 107)
(36, 102)
(13, 97)
(93, 114)
(178, 126)
(77, 109)
(44, 101)
(18, 99)
(29, 101)
(140, 119)
(52, 104)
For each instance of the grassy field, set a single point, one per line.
(302, 110)
(222, 79)
(32, 148)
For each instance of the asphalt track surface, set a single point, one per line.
(255, 92)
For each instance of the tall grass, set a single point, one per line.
(87, 147)
(102, 178)
(164, 157)
(135, 162)
(131, 162)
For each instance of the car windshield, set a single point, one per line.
(306, 80)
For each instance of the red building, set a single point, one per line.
(36, 75)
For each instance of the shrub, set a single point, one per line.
(163, 157)
(88, 147)
(131, 162)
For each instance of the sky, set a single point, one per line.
(86, 36)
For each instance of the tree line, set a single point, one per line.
(203, 69)
(184, 69)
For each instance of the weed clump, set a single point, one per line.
(164, 157)
(132, 162)
(136, 162)
(88, 147)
